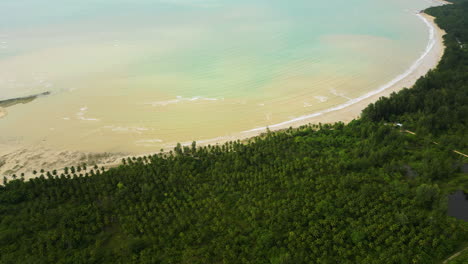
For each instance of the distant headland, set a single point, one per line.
(21, 100)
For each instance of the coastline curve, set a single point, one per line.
(345, 112)
(413, 68)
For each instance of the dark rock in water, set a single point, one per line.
(458, 205)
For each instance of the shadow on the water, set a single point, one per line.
(458, 205)
(21, 100)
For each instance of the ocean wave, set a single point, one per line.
(148, 142)
(430, 45)
(336, 93)
(82, 112)
(137, 130)
(322, 99)
(180, 99)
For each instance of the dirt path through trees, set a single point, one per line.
(454, 255)
(455, 151)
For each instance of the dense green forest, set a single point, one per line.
(365, 192)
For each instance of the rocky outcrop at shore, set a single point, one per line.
(20, 100)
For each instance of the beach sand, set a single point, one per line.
(14, 159)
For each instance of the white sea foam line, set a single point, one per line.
(148, 142)
(82, 112)
(410, 70)
(322, 99)
(138, 130)
(182, 99)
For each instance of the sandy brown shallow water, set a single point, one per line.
(101, 139)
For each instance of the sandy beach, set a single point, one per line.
(16, 159)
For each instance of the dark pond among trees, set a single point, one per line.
(458, 205)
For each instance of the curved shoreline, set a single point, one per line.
(345, 113)
(396, 84)
(352, 109)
